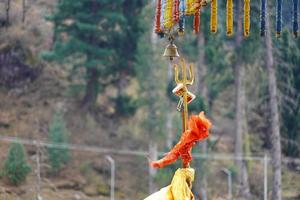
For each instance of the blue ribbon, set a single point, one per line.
(182, 15)
(279, 17)
(263, 17)
(162, 16)
(295, 18)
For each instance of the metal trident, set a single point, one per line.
(184, 81)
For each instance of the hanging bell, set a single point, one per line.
(171, 51)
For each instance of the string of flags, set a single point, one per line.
(171, 16)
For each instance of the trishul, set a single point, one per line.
(184, 81)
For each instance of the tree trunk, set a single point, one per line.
(169, 115)
(91, 93)
(23, 11)
(201, 71)
(275, 126)
(240, 102)
(7, 12)
(201, 87)
(152, 171)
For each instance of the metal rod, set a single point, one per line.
(229, 182)
(265, 177)
(112, 176)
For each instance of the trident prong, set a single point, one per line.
(184, 79)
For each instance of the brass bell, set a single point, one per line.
(171, 51)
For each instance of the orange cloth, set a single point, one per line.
(198, 130)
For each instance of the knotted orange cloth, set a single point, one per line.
(198, 129)
(180, 188)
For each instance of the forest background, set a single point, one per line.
(92, 73)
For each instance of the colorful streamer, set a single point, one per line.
(168, 23)
(189, 7)
(182, 16)
(246, 18)
(162, 16)
(295, 18)
(196, 22)
(214, 16)
(157, 17)
(263, 9)
(279, 18)
(176, 11)
(229, 17)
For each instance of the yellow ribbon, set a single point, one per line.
(246, 18)
(214, 16)
(229, 17)
(169, 23)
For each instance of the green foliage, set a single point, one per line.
(97, 36)
(125, 105)
(16, 167)
(288, 57)
(58, 134)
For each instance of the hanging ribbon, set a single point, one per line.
(189, 7)
(197, 22)
(157, 17)
(162, 15)
(246, 18)
(176, 11)
(229, 17)
(182, 16)
(214, 16)
(295, 18)
(263, 17)
(279, 18)
(168, 23)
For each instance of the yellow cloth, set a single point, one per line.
(180, 188)
(169, 23)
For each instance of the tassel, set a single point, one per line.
(162, 15)
(157, 17)
(197, 22)
(279, 18)
(176, 11)
(169, 14)
(214, 16)
(263, 9)
(229, 17)
(295, 18)
(182, 17)
(246, 18)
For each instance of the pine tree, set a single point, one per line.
(16, 168)
(58, 135)
(99, 36)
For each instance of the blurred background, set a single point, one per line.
(86, 98)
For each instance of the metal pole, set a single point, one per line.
(112, 176)
(229, 182)
(265, 177)
(38, 171)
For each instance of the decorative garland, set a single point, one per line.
(229, 17)
(168, 23)
(263, 9)
(182, 16)
(176, 11)
(279, 18)
(162, 15)
(246, 18)
(197, 22)
(295, 18)
(214, 16)
(157, 17)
